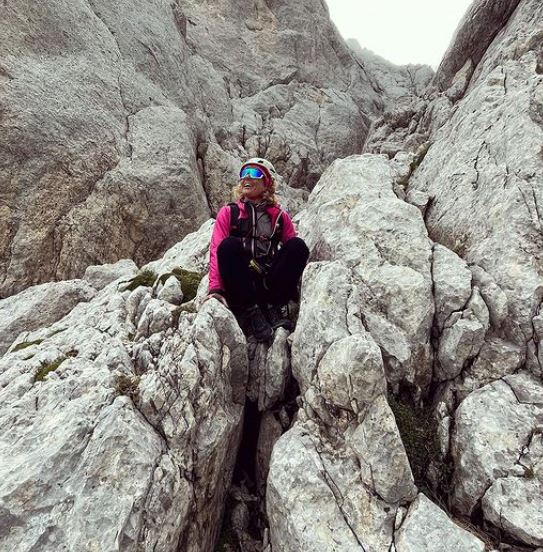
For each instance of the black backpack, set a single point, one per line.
(243, 228)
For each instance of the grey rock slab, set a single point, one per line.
(350, 373)
(314, 504)
(395, 81)
(275, 372)
(384, 464)
(99, 276)
(326, 288)
(527, 389)
(354, 216)
(38, 307)
(452, 283)
(496, 359)
(491, 429)
(114, 443)
(171, 291)
(515, 505)
(74, 114)
(484, 19)
(457, 345)
(163, 160)
(427, 528)
(494, 297)
(484, 165)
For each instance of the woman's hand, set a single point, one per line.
(217, 296)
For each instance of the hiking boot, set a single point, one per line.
(257, 325)
(278, 317)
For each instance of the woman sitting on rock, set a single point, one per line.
(256, 260)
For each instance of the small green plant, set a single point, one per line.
(145, 278)
(47, 368)
(420, 155)
(128, 385)
(188, 279)
(25, 344)
(418, 430)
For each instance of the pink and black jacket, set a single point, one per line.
(280, 220)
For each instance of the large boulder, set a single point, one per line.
(497, 453)
(427, 528)
(354, 216)
(39, 306)
(120, 425)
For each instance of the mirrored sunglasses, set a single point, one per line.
(251, 172)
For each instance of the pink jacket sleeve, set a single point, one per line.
(288, 228)
(221, 230)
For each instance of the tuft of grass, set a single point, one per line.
(47, 368)
(420, 155)
(188, 279)
(418, 430)
(25, 344)
(145, 278)
(128, 385)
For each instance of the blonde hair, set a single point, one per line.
(269, 194)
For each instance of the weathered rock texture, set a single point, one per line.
(477, 178)
(392, 82)
(121, 411)
(120, 425)
(121, 133)
(340, 478)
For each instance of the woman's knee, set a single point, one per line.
(229, 247)
(296, 246)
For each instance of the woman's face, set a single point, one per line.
(253, 188)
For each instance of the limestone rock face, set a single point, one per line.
(102, 140)
(120, 424)
(497, 450)
(478, 180)
(100, 276)
(122, 134)
(481, 23)
(394, 82)
(39, 306)
(354, 216)
(427, 528)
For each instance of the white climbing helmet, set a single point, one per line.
(266, 166)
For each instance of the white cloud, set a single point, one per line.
(402, 31)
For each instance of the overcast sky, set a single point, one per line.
(402, 31)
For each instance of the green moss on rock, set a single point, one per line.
(418, 430)
(25, 344)
(47, 368)
(128, 385)
(145, 278)
(188, 279)
(189, 282)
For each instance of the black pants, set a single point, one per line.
(244, 287)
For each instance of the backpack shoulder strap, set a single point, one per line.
(234, 215)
